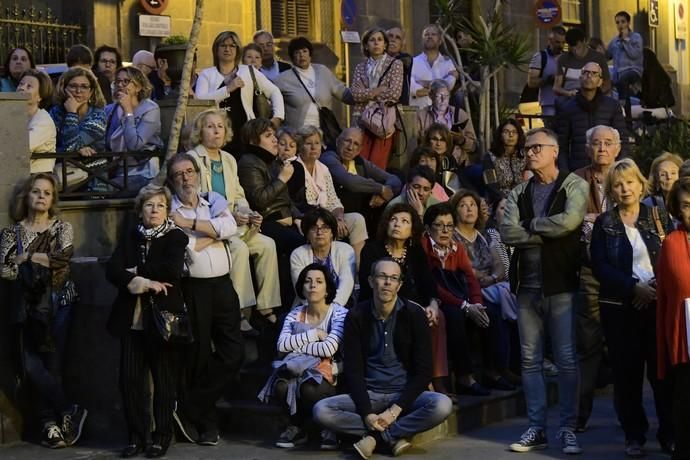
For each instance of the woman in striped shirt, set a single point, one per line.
(311, 336)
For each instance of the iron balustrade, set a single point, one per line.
(100, 168)
(38, 31)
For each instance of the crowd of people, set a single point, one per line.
(387, 292)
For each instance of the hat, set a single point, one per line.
(144, 57)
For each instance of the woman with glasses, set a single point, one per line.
(454, 118)
(231, 85)
(450, 171)
(133, 124)
(105, 60)
(321, 228)
(78, 113)
(504, 165)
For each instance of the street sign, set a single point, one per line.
(348, 12)
(350, 36)
(681, 19)
(547, 13)
(653, 13)
(154, 26)
(154, 6)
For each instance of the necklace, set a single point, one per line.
(217, 166)
(400, 260)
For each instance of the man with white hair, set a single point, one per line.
(603, 145)
(270, 66)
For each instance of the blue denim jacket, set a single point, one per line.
(612, 255)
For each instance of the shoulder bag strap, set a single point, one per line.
(657, 222)
(18, 237)
(305, 87)
(386, 71)
(257, 89)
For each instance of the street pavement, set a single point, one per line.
(603, 441)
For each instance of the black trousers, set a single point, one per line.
(217, 353)
(631, 339)
(140, 353)
(680, 378)
(309, 394)
(457, 340)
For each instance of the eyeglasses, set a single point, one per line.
(393, 279)
(181, 174)
(441, 96)
(320, 229)
(605, 144)
(123, 82)
(535, 148)
(76, 88)
(226, 46)
(591, 73)
(510, 132)
(442, 227)
(108, 61)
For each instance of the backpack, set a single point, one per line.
(532, 94)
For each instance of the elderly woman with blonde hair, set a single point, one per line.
(663, 173)
(133, 124)
(626, 241)
(218, 172)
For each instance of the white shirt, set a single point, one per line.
(642, 265)
(214, 260)
(42, 135)
(421, 70)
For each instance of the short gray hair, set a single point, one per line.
(546, 131)
(151, 190)
(261, 32)
(305, 132)
(613, 131)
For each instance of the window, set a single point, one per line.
(291, 18)
(572, 11)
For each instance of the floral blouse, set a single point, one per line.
(509, 171)
(392, 80)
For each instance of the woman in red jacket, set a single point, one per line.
(673, 291)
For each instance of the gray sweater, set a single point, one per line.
(297, 100)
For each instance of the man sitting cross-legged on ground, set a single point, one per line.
(387, 354)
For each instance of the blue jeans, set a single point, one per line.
(338, 413)
(536, 313)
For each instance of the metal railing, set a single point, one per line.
(97, 173)
(38, 31)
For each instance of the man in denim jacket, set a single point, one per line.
(542, 220)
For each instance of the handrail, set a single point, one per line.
(101, 172)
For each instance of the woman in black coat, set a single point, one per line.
(146, 267)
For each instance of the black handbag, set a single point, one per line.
(261, 105)
(327, 119)
(172, 327)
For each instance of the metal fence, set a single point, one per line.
(38, 31)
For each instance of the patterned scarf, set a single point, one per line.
(149, 234)
(375, 68)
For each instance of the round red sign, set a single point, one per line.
(547, 13)
(154, 6)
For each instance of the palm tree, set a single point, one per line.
(495, 47)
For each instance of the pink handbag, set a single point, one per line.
(379, 119)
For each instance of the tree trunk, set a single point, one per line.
(183, 96)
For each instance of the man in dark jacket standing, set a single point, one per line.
(542, 221)
(587, 109)
(387, 354)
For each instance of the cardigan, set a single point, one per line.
(42, 136)
(210, 79)
(392, 80)
(456, 261)
(297, 101)
(673, 287)
(234, 193)
(164, 263)
(343, 259)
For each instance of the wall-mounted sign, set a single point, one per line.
(154, 26)
(348, 12)
(681, 19)
(653, 13)
(154, 6)
(547, 13)
(350, 36)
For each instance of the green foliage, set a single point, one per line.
(175, 40)
(673, 136)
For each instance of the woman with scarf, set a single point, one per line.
(147, 268)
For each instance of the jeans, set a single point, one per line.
(555, 313)
(338, 413)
